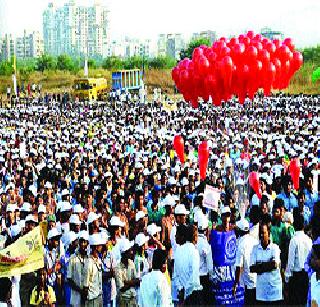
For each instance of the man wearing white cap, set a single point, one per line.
(126, 276)
(76, 271)
(93, 275)
(243, 254)
(180, 213)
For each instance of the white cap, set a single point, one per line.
(180, 209)
(31, 218)
(48, 185)
(97, 239)
(126, 245)
(93, 217)
(74, 219)
(108, 174)
(141, 239)
(172, 181)
(153, 229)
(53, 233)
(84, 235)
(70, 237)
(64, 192)
(115, 221)
(184, 181)
(26, 207)
(77, 209)
(140, 215)
(65, 206)
(11, 208)
(225, 210)
(42, 209)
(169, 200)
(243, 225)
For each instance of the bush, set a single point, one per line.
(162, 62)
(46, 62)
(6, 68)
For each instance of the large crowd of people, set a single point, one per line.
(126, 221)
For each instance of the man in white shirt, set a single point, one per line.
(265, 261)
(299, 249)
(154, 288)
(205, 253)
(243, 258)
(187, 268)
(76, 270)
(93, 275)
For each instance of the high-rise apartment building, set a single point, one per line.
(209, 34)
(171, 45)
(30, 45)
(7, 48)
(76, 30)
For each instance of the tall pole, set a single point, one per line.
(14, 76)
(86, 65)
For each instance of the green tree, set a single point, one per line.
(6, 68)
(46, 62)
(187, 53)
(135, 62)
(312, 55)
(162, 62)
(65, 62)
(92, 63)
(113, 63)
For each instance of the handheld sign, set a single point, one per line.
(211, 197)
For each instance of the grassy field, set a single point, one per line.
(61, 81)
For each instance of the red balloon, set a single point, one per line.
(250, 34)
(253, 179)
(252, 53)
(258, 37)
(178, 145)
(295, 172)
(297, 60)
(227, 68)
(203, 158)
(288, 42)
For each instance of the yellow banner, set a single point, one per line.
(23, 256)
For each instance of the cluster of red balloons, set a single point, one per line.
(203, 154)
(239, 66)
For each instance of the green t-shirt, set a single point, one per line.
(278, 233)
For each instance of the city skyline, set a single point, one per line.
(143, 19)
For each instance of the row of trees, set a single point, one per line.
(74, 65)
(67, 63)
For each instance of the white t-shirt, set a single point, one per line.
(269, 284)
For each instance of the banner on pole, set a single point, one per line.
(23, 256)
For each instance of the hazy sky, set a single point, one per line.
(298, 19)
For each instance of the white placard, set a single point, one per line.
(211, 197)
